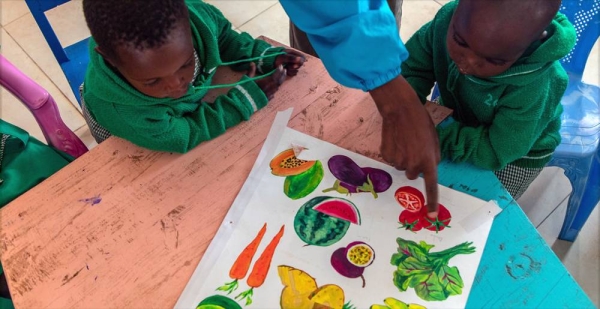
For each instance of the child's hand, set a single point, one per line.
(291, 61)
(270, 84)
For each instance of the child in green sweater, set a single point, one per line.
(152, 62)
(496, 65)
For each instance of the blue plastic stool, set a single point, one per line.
(73, 59)
(579, 154)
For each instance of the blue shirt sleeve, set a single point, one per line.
(357, 40)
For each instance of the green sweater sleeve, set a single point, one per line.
(515, 128)
(235, 46)
(418, 68)
(160, 128)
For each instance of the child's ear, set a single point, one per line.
(110, 61)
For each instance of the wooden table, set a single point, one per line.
(61, 247)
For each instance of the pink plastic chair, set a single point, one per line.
(43, 107)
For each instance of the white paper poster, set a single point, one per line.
(335, 229)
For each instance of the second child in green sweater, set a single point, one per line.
(152, 62)
(496, 65)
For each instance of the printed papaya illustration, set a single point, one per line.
(301, 185)
(302, 177)
(302, 292)
(352, 178)
(286, 164)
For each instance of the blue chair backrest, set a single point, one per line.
(37, 8)
(585, 16)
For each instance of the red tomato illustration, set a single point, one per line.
(441, 222)
(412, 221)
(410, 198)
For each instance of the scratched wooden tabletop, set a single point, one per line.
(125, 227)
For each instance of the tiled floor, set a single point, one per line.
(22, 44)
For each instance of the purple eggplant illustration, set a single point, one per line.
(352, 178)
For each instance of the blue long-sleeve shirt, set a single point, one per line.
(357, 40)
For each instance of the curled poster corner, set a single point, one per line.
(298, 149)
(302, 152)
(484, 214)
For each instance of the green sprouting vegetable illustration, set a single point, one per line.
(428, 272)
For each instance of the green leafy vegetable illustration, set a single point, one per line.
(428, 272)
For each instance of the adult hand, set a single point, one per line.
(409, 140)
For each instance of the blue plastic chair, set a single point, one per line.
(73, 59)
(578, 153)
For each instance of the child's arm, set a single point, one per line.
(517, 125)
(157, 127)
(418, 68)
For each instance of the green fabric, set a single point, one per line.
(4, 302)
(26, 162)
(178, 125)
(511, 118)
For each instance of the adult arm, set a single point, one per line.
(359, 44)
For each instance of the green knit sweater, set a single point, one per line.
(511, 118)
(178, 125)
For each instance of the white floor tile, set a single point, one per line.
(12, 10)
(86, 137)
(546, 192)
(582, 257)
(13, 111)
(273, 23)
(69, 30)
(29, 38)
(239, 12)
(415, 14)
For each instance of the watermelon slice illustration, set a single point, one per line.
(339, 208)
(324, 220)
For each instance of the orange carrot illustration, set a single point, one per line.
(261, 268)
(242, 264)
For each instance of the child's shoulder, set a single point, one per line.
(203, 7)
(447, 10)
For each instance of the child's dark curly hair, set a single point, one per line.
(139, 23)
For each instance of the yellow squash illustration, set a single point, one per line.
(302, 292)
(392, 303)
